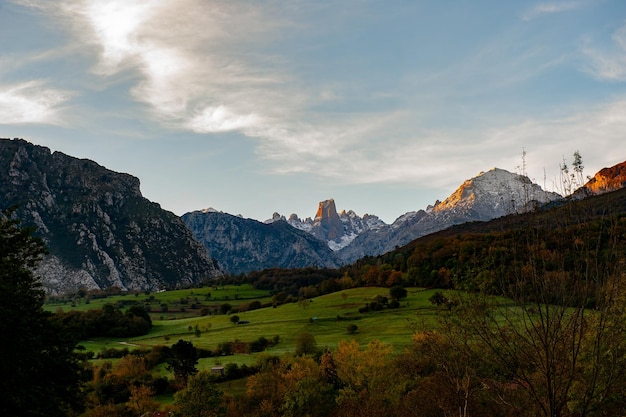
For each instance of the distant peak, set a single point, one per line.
(606, 180)
(326, 209)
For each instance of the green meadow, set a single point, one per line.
(179, 302)
(326, 317)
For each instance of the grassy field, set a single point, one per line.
(326, 317)
(179, 303)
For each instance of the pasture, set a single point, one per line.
(326, 317)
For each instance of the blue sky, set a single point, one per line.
(252, 107)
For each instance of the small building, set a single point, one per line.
(217, 370)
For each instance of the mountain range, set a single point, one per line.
(102, 232)
(348, 236)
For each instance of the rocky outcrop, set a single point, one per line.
(244, 245)
(328, 225)
(606, 180)
(99, 229)
(336, 229)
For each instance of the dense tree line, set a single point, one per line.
(109, 321)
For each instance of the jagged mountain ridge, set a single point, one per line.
(488, 195)
(337, 229)
(244, 245)
(99, 229)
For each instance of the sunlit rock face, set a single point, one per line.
(327, 224)
(99, 230)
(489, 195)
(606, 180)
(494, 193)
(338, 230)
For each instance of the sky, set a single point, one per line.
(256, 107)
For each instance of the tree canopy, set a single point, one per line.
(41, 374)
(183, 360)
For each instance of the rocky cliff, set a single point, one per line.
(605, 180)
(338, 230)
(243, 245)
(99, 229)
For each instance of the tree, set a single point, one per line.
(141, 401)
(289, 387)
(578, 169)
(397, 293)
(225, 308)
(306, 344)
(352, 328)
(41, 373)
(201, 398)
(234, 319)
(369, 386)
(183, 360)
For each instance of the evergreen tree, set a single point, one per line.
(183, 360)
(41, 374)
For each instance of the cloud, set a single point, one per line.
(194, 61)
(202, 67)
(31, 102)
(542, 9)
(437, 157)
(213, 67)
(597, 132)
(221, 119)
(609, 64)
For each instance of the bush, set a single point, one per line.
(397, 293)
(306, 344)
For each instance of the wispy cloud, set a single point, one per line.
(597, 132)
(609, 63)
(212, 67)
(547, 8)
(199, 67)
(31, 102)
(417, 158)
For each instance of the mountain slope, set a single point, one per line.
(99, 229)
(581, 236)
(489, 195)
(605, 180)
(244, 245)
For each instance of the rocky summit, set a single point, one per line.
(487, 196)
(338, 230)
(99, 230)
(605, 180)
